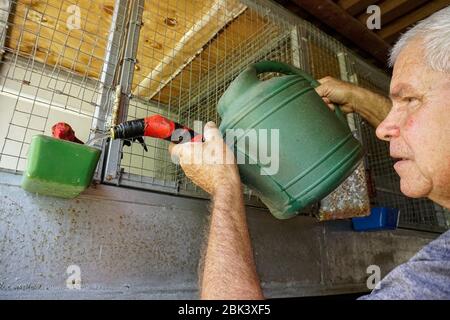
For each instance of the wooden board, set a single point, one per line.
(391, 31)
(392, 9)
(354, 7)
(39, 30)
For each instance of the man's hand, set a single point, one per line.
(339, 92)
(351, 98)
(211, 165)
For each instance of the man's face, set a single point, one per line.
(418, 126)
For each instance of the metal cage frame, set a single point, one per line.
(286, 37)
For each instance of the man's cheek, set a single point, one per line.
(441, 172)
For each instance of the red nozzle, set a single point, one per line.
(157, 126)
(64, 131)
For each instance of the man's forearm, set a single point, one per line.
(373, 107)
(229, 270)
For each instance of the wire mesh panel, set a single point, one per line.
(322, 53)
(414, 213)
(202, 105)
(53, 69)
(188, 53)
(61, 62)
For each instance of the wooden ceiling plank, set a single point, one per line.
(354, 7)
(411, 18)
(337, 18)
(393, 38)
(392, 9)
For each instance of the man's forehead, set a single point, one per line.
(401, 89)
(410, 69)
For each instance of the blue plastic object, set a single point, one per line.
(380, 218)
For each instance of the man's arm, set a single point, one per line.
(229, 270)
(351, 98)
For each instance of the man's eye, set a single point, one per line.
(410, 99)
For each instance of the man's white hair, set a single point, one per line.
(435, 34)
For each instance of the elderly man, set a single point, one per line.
(415, 121)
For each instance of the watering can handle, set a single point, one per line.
(284, 68)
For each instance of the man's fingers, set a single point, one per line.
(322, 90)
(185, 153)
(325, 86)
(325, 79)
(175, 151)
(211, 132)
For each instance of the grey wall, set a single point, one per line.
(134, 244)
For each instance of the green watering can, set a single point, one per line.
(314, 146)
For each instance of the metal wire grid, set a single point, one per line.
(192, 93)
(203, 106)
(51, 73)
(415, 213)
(420, 214)
(322, 52)
(154, 167)
(43, 88)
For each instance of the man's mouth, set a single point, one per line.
(400, 161)
(398, 158)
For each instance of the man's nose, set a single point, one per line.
(389, 128)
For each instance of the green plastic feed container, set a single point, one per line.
(317, 151)
(59, 168)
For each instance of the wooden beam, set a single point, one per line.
(392, 9)
(354, 7)
(337, 18)
(393, 38)
(411, 18)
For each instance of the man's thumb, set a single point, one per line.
(211, 132)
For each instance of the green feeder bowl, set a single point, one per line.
(59, 168)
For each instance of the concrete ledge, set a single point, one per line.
(133, 244)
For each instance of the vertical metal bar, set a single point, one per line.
(354, 120)
(112, 168)
(302, 36)
(5, 14)
(295, 48)
(344, 76)
(99, 121)
(299, 48)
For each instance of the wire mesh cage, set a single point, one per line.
(92, 63)
(188, 54)
(56, 66)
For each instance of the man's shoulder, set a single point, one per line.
(425, 276)
(438, 249)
